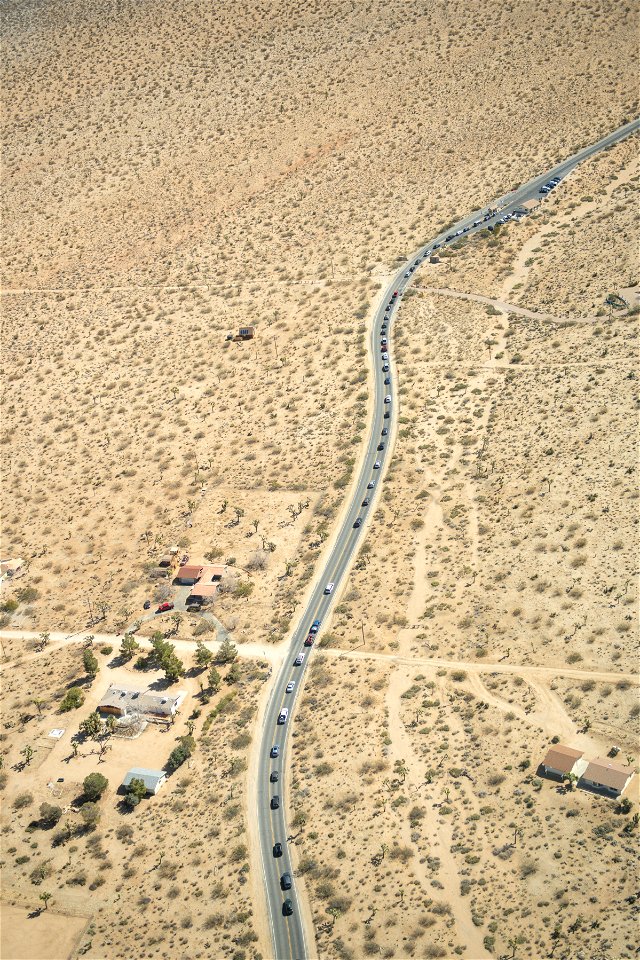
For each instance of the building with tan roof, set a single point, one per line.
(560, 761)
(203, 592)
(606, 776)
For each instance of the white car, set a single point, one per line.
(387, 399)
(329, 588)
(290, 686)
(376, 465)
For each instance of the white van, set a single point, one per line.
(284, 713)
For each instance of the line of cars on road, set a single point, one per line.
(274, 753)
(286, 881)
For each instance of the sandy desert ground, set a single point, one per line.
(175, 173)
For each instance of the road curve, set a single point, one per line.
(287, 932)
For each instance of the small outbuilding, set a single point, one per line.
(606, 776)
(560, 761)
(152, 779)
(189, 574)
(246, 333)
(11, 568)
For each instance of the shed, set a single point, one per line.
(247, 333)
(165, 561)
(11, 568)
(606, 776)
(152, 779)
(189, 574)
(560, 761)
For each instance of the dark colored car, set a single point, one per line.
(277, 849)
(384, 431)
(437, 246)
(450, 237)
(358, 523)
(366, 502)
(274, 776)
(146, 605)
(287, 908)
(386, 415)
(285, 881)
(385, 368)
(387, 381)
(275, 751)
(381, 446)
(275, 802)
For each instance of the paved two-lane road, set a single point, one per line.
(288, 934)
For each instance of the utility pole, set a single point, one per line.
(275, 343)
(362, 628)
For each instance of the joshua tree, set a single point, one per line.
(384, 849)
(38, 704)
(45, 897)
(43, 640)
(517, 832)
(401, 769)
(239, 512)
(255, 524)
(224, 505)
(27, 753)
(334, 913)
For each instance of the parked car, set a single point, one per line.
(275, 751)
(167, 605)
(275, 802)
(277, 849)
(146, 605)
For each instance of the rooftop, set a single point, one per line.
(561, 758)
(608, 773)
(137, 701)
(150, 778)
(189, 571)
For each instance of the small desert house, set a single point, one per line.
(122, 703)
(203, 593)
(213, 572)
(189, 574)
(606, 776)
(247, 333)
(152, 779)
(560, 761)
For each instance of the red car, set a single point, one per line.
(167, 605)
(309, 641)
